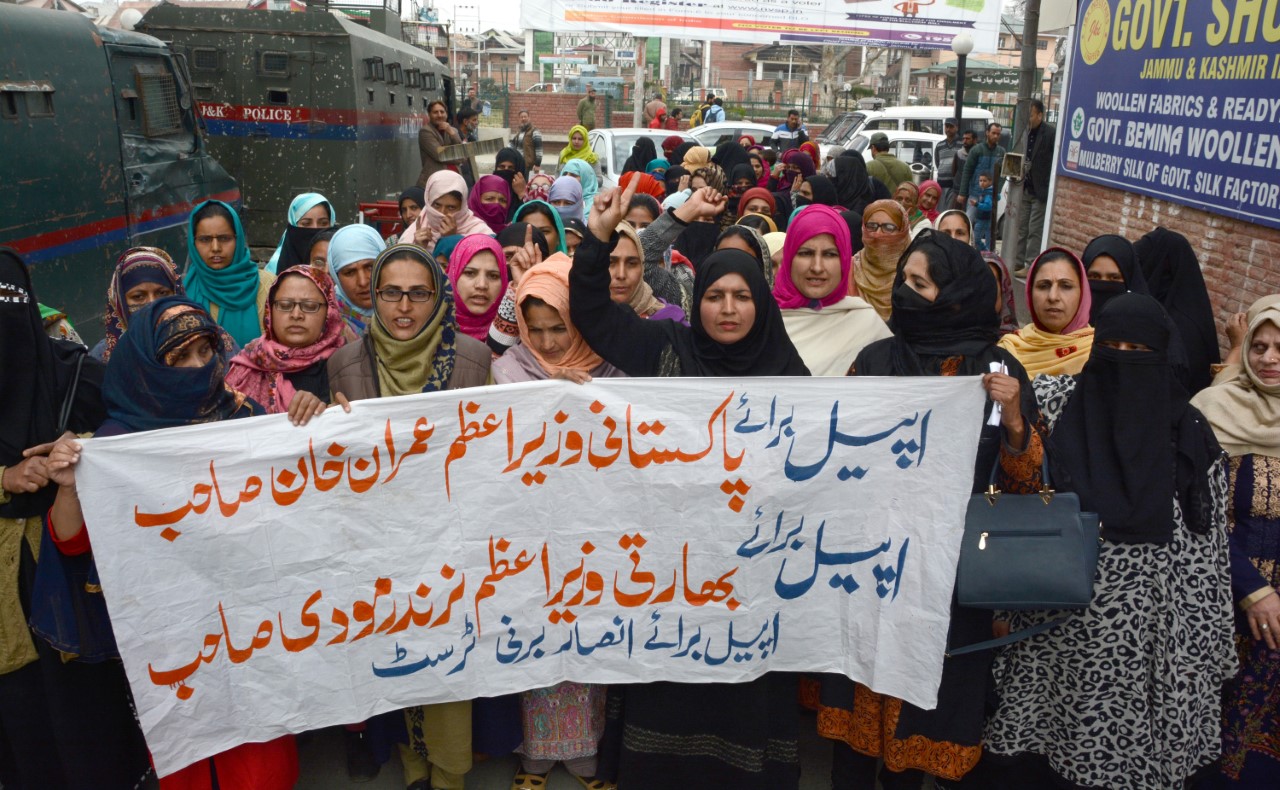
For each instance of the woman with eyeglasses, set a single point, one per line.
(284, 370)
(885, 237)
(220, 275)
(414, 345)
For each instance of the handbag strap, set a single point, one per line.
(1045, 483)
(1016, 636)
(68, 402)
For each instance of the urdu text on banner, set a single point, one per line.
(1178, 100)
(890, 23)
(264, 578)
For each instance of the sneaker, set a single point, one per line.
(361, 767)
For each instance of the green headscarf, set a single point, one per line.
(555, 217)
(233, 288)
(424, 362)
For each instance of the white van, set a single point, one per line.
(909, 118)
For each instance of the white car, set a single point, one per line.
(710, 135)
(613, 146)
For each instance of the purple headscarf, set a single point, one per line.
(493, 214)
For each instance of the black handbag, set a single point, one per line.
(1026, 551)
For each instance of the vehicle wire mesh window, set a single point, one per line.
(158, 95)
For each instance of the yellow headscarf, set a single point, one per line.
(584, 153)
(1045, 353)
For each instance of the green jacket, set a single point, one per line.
(587, 112)
(889, 170)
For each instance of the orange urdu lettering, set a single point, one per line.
(309, 619)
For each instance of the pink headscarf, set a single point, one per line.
(932, 214)
(813, 221)
(476, 325)
(1081, 319)
(259, 369)
(493, 214)
(440, 184)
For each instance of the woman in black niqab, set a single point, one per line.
(1174, 277)
(1122, 251)
(643, 151)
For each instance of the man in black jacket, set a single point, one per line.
(1035, 186)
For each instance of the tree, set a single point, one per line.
(833, 57)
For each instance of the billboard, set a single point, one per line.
(1180, 101)
(922, 24)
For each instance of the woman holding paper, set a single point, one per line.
(167, 370)
(414, 345)
(942, 297)
(744, 735)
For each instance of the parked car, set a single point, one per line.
(713, 134)
(613, 146)
(901, 119)
(545, 87)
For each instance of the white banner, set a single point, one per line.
(264, 578)
(922, 24)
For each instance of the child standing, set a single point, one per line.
(982, 226)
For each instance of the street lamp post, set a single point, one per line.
(961, 45)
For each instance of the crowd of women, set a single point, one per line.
(701, 264)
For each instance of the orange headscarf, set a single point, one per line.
(549, 281)
(648, 184)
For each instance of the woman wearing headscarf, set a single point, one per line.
(1111, 263)
(670, 143)
(1243, 409)
(764, 179)
(284, 370)
(658, 169)
(414, 345)
(853, 185)
(490, 200)
(478, 274)
(1174, 277)
(907, 196)
(627, 283)
(762, 224)
(1058, 339)
(523, 246)
(795, 163)
(956, 224)
(816, 191)
(587, 177)
(729, 156)
(309, 213)
(643, 151)
(509, 165)
(566, 198)
(648, 185)
(943, 326)
(828, 168)
(578, 148)
(1005, 306)
(562, 723)
(829, 327)
(410, 204)
(695, 157)
(885, 237)
(751, 241)
(1126, 693)
(757, 201)
(929, 194)
(676, 155)
(544, 216)
(351, 255)
(445, 214)
(142, 275)
(166, 372)
(719, 738)
(40, 713)
(539, 187)
(220, 275)
(810, 149)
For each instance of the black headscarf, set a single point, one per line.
(1112, 444)
(295, 250)
(416, 194)
(35, 378)
(513, 156)
(765, 351)
(1174, 277)
(853, 186)
(729, 155)
(1121, 250)
(643, 151)
(671, 179)
(677, 156)
(513, 236)
(824, 191)
(959, 322)
(854, 221)
(697, 241)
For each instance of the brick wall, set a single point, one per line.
(553, 113)
(1240, 260)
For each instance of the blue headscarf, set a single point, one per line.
(143, 392)
(567, 188)
(658, 167)
(233, 288)
(300, 206)
(587, 176)
(350, 244)
(444, 246)
(527, 207)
